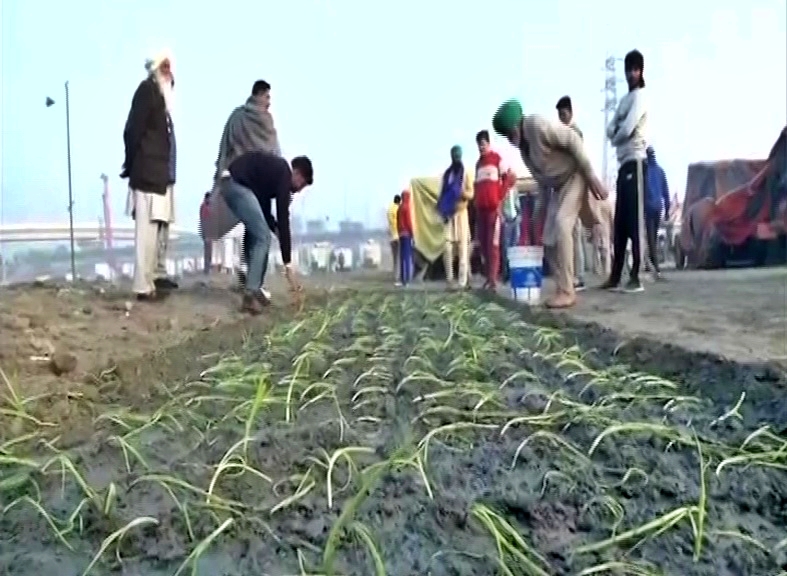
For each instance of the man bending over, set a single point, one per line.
(258, 180)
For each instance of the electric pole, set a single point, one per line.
(610, 105)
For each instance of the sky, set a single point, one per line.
(375, 93)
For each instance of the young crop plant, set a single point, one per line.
(382, 431)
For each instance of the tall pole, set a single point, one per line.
(70, 190)
(108, 240)
(610, 106)
(3, 263)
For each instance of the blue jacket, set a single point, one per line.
(657, 196)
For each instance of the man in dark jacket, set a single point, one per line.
(257, 181)
(149, 140)
(657, 201)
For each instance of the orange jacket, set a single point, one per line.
(405, 217)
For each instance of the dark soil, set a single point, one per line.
(389, 368)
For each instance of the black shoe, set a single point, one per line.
(610, 284)
(579, 286)
(633, 286)
(151, 297)
(165, 284)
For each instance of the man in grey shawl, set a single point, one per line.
(249, 128)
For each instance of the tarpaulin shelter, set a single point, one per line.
(428, 227)
(736, 210)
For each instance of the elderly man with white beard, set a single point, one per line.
(149, 139)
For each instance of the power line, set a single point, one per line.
(611, 81)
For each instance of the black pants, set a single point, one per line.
(632, 176)
(652, 223)
(207, 255)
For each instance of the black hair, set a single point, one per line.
(564, 104)
(482, 136)
(634, 60)
(303, 165)
(397, 199)
(260, 87)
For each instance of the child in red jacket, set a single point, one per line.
(493, 179)
(405, 225)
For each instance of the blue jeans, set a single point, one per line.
(511, 229)
(247, 209)
(406, 258)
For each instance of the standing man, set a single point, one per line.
(565, 112)
(628, 133)
(657, 200)
(556, 158)
(493, 179)
(149, 165)
(455, 194)
(248, 128)
(207, 245)
(404, 222)
(393, 233)
(257, 180)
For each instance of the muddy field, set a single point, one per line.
(740, 314)
(407, 434)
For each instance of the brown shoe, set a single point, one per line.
(251, 305)
(561, 301)
(152, 296)
(262, 298)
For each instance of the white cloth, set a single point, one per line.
(157, 208)
(220, 218)
(153, 214)
(511, 204)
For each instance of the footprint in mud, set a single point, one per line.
(554, 525)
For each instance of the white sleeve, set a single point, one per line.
(627, 124)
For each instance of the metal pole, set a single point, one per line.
(3, 263)
(70, 190)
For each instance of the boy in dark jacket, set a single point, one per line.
(657, 200)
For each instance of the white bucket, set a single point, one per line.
(526, 265)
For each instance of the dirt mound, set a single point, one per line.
(411, 434)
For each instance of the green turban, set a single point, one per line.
(507, 117)
(456, 152)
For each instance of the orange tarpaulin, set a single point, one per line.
(734, 200)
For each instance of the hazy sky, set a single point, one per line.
(374, 92)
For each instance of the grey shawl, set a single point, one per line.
(248, 128)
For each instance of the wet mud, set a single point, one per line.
(406, 434)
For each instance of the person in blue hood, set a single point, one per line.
(657, 201)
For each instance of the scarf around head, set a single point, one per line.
(451, 190)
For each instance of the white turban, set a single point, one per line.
(152, 64)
